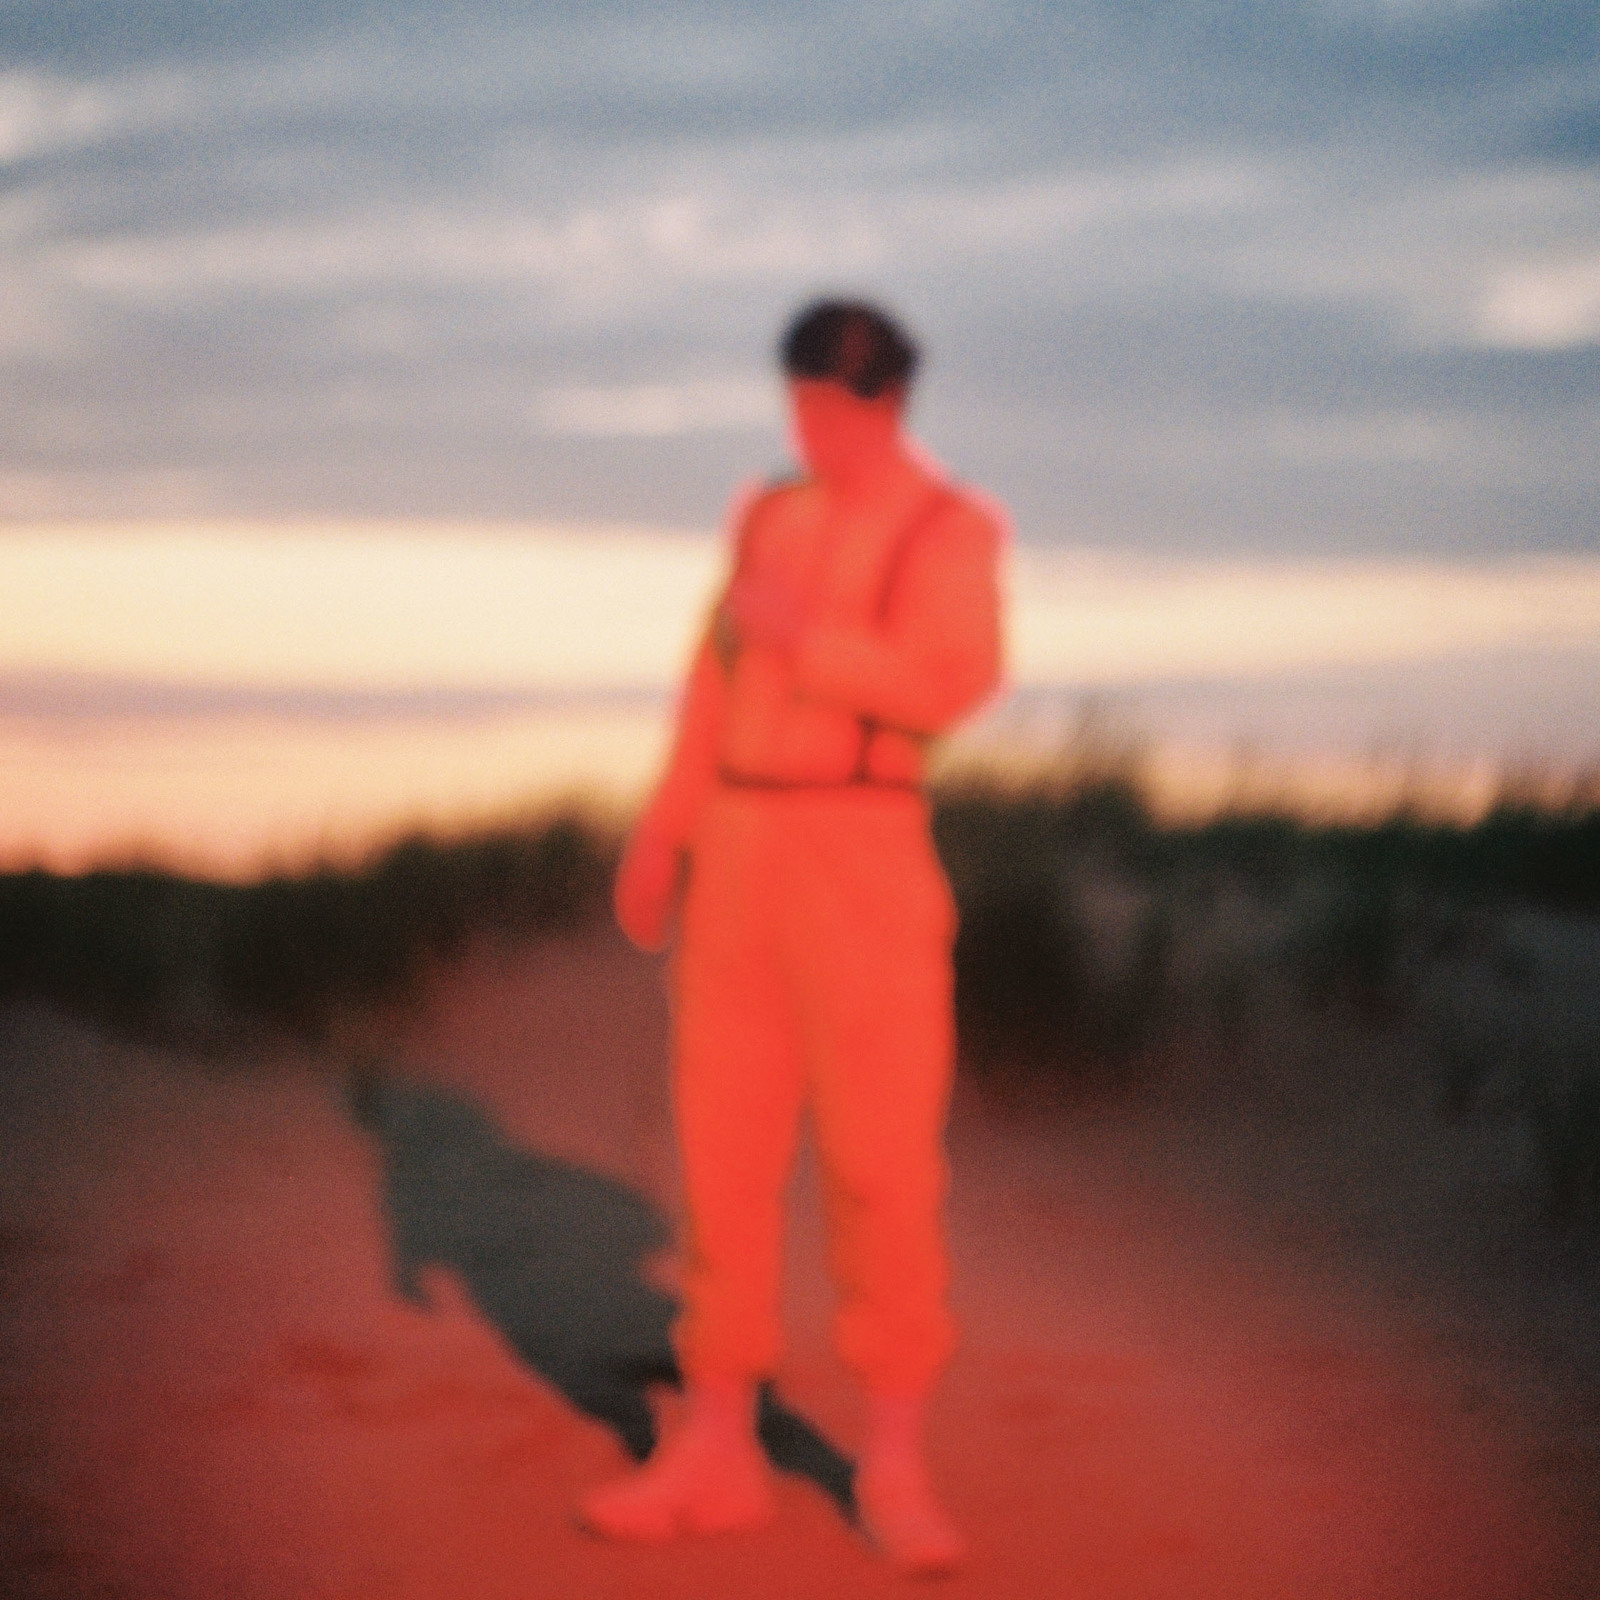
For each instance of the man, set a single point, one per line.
(813, 960)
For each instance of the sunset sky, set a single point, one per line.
(365, 363)
(1256, 274)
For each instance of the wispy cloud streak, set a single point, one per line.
(1321, 273)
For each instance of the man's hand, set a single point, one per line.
(646, 889)
(766, 610)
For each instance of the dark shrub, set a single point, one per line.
(179, 961)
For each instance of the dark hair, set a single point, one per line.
(852, 343)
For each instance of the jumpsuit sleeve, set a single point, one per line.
(697, 739)
(936, 654)
(692, 765)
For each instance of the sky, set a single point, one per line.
(223, 694)
(373, 379)
(361, 619)
(1307, 279)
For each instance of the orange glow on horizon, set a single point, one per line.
(233, 797)
(389, 605)
(434, 608)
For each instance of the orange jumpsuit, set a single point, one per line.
(814, 958)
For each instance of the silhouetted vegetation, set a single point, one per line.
(1099, 949)
(178, 961)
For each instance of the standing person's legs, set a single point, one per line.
(737, 1094)
(737, 1090)
(875, 929)
(880, 1094)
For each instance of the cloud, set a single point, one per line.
(1097, 620)
(417, 608)
(38, 113)
(1270, 270)
(754, 228)
(1408, 13)
(1543, 307)
(58, 698)
(661, 410)
(357, 609)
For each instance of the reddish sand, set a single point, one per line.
(210, 1389)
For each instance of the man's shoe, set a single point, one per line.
(903, 1519)
(710, 1476)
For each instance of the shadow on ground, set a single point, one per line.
(551, 1254)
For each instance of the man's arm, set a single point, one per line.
(692, 765)
(937, 653)
(651, 873)
(648, 879)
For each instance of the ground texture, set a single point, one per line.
(213, 1385)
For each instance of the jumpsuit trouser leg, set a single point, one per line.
(815, 967)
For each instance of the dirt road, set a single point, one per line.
(212, 1388)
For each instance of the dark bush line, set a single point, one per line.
(174, 958)
(1054, 980)
(1094, 950)
(1036, 990)
(1516, 852)
(179, 961)
(1037, 996)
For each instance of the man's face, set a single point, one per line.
(835, 430)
